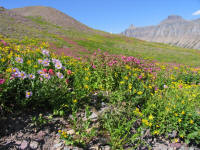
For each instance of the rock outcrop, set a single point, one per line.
(174, 30)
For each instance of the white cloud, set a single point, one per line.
(196, 13)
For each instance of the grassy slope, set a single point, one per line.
(118, 44)
(115, 44)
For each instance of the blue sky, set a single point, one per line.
(116, 15)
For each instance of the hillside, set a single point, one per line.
(174, 30)
(51, 15)
(72, 41)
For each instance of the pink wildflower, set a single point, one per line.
(2, 81)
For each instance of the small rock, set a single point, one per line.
(24, 145)
(147, 133)
(159, 146)
(103, 140)
(67, 148)
(107, 147)
(34, 145)
(93, 116)
(173, 134)
(96, 147)
(18, 142)
(70, 116)
(57, 146)
(177, 145)
(184, 148)
(40, 135)
(47, 131)
(71, 132)
(103, 109)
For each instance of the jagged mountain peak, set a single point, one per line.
(173, 19)
(131, 26)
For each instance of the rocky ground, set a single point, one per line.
(18, 132)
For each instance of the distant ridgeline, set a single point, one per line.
(174, 30)
(2, 8)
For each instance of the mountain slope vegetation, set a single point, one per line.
(13, 24)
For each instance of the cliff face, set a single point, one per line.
(174, 30)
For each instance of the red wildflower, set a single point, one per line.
(45, 70)
(69, 72)
(51, 72)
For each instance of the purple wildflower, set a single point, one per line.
(41, 79)
(31, 76)
(19, 60)
(45, 52)
(16, 74)
(45, 62)
(15, 70)
(28, 94)
(165, 86)
(60, 75)
(55, 61)
(40, 61)
(58, 65)
(40, 72)
(22, 75)
(47, 76)
(63, 68)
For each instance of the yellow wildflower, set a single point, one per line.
(126, 78)
(151, 117)
(156, 132)
(28, 62)
(176, 140)
(121, 82)
(176, 114)
(86, 86)
(75, 101)
(128, 67)
(130, 86)
(140, 93)
(144, 121)
(35, 66)
(191, 122)
(3, 60)
(9, 70)
(182, 112)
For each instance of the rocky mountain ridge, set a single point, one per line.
(174, 30)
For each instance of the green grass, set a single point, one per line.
(113, 43)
